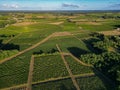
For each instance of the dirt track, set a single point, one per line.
(23, 86)
(56, 34)
(67, 77)
(37, 44)
(75, 58)
(114, 32)
(56, 23)
(62, 55)
(29, 87)
(80, 61)
(24, 23)
(68, 69)
(28, 49)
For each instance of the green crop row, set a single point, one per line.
(65, 84)
(14, 72)
(47, 67)
(94, 83)
(7, 53)
(76, 67)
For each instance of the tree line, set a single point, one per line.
(105, 60)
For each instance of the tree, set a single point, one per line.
(110, 66)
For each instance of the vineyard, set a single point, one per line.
(48, 67)
(61, 84)
(93, 83)
(76, 67)
(15, 72)
(57, 51)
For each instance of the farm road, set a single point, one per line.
(84, 64)
(37, 44)
(23, 86)
(29, 87)
(68, 69)
(28, 49)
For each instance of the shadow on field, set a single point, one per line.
(108, 84)
(56, 85)
(77, 51)
(116, 26)
(8, 46)
(63, 87)
(89, 44)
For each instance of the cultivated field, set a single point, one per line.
(57, 51)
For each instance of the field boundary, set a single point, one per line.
(37, 44)
(30, 76)
(50, 80)
(78, 60)
(66, 77)
(68, 69)
(15, 87)
(113, 32)
(28, 49)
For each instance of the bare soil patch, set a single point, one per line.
(72, 17)
(24, 23)
(91, 23)
(57, 23)
(94, 23)
(115, 32)
(61, 34)
(40, 17)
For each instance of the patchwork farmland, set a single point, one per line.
(59, 51)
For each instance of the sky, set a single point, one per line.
(59, 4)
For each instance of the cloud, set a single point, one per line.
(18, 7)
(115, 6)
(9, 6)
(70, 5)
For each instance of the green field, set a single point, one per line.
(25, 34)
(66, 44)
(48, 67)
(55, 85)
(14, 72)
(93, 83)
(77, 68)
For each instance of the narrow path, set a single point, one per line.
(23, 86)
(51, 80)
(75, 58)
(57, 34)
(80, 61)
(66, 77)
(76, 37)
(29, 87)
(28, 49)
(84, 75)
(32, 47)
(18, 87)
(68, 69)
(80, 38)
(65, 54)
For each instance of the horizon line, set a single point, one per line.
(61, 10)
